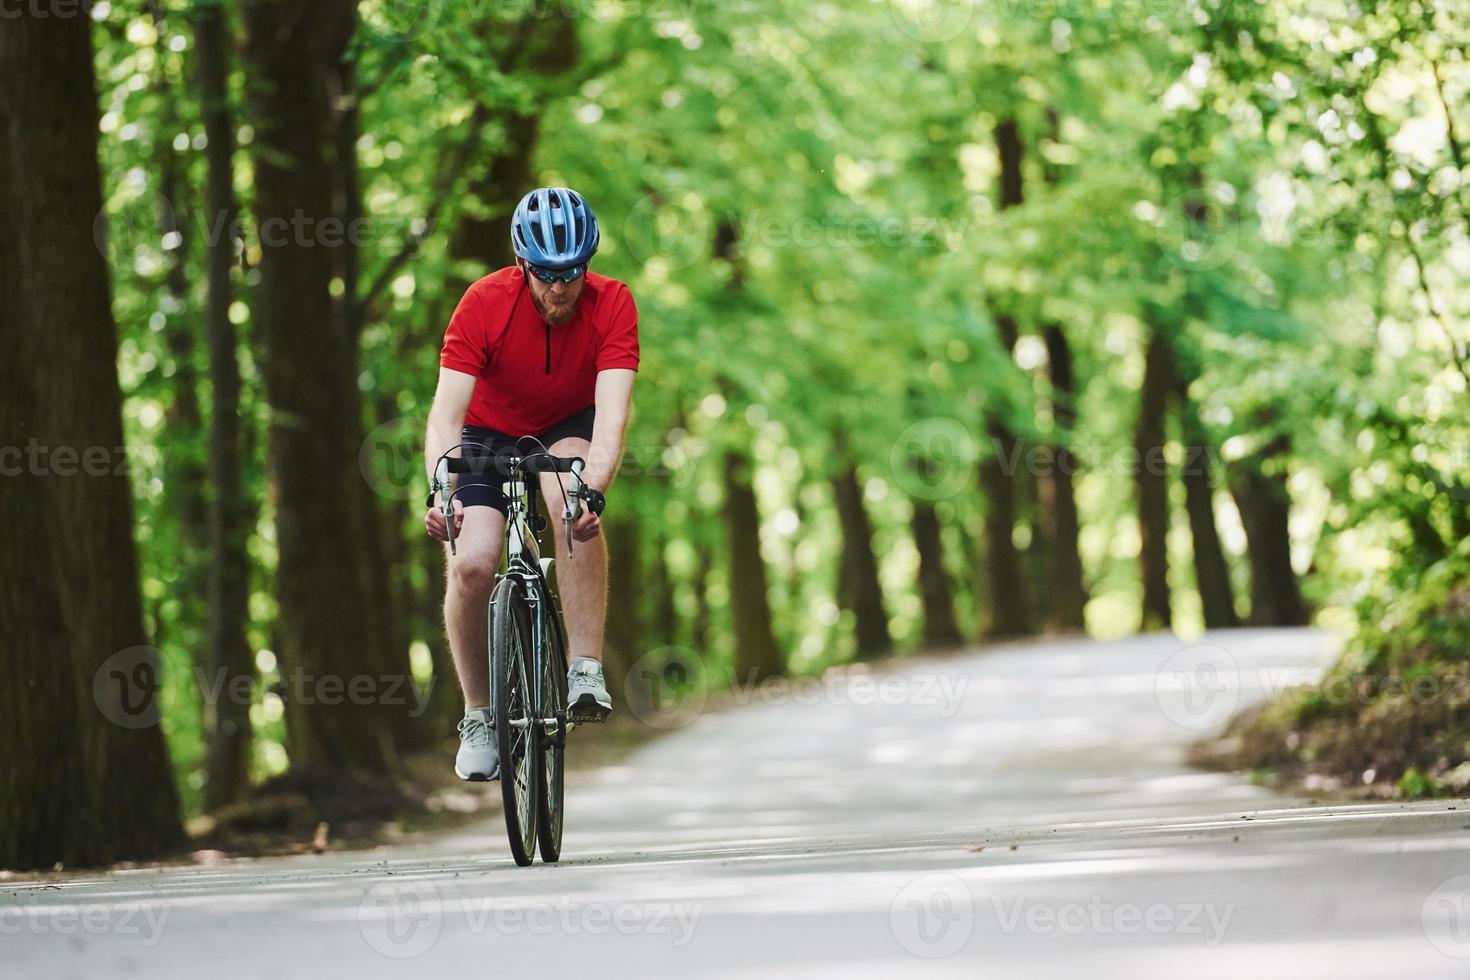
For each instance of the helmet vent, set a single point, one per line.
(554, 227)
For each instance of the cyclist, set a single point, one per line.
(544, 347)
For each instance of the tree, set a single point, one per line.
(859, 590)
(1066, 591)
(1000, 477)
(62, 313)
(627, 638)
(323, 506)
(757, 653)
(1152, 480)
(48, 807)
(941, 629)
(1211, 571)
(1259, 486)
(227, 718)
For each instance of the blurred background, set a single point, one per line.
(959, 321)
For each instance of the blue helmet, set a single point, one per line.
(554, 227)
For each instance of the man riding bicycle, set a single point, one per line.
(545, 348)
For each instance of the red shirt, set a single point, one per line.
(531, 376)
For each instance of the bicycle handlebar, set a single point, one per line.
(507, 466)
(511, 468)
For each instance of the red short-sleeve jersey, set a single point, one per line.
(529, 375)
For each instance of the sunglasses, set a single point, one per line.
(567, 275)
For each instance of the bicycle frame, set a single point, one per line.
(523, 561)
(531, 719)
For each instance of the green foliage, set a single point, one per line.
(804, 200)
(1422, 618)
(1414, 785)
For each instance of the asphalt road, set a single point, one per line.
(1016, 813)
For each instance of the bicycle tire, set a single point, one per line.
(511, 665)
(550, 812)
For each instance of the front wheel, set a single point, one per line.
(553, 743)
(516, 731)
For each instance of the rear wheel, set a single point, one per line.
(553, 743)
(517, 734)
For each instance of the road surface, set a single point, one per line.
(1022, 812)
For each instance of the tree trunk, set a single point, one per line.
(1152, 478)
(699, 629)
(550, 47)
(1066, 592)
(323, 506)
(485, 234)
(859, 588)
(1004, 578)
(757, 654)
(382, 528)
(48, 811)
(665, 629)
(395, 539)
(64, 306)
(1259, 487)
(48, 808)
(940, 627)
(227, 717)
(1000, 475)
(1010, 148)
(969, 592)
(625, 636)
(1211, 571)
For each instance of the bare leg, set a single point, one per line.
(582, 580)
(469, 582)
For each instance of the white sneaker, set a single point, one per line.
(477, 761)
(587, 697)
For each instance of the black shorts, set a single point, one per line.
(483, 489)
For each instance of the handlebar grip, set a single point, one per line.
(457, 465)
(557, 464)
(502, 464)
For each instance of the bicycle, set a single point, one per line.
(527, 644)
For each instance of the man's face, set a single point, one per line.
(555, 301)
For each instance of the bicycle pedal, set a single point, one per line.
(588, 711)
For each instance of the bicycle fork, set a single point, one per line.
(556, 727)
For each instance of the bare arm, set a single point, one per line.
(446, 417)
(614, 400)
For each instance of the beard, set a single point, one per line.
(556, 312)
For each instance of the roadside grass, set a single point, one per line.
(1391, 720)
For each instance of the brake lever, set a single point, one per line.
(441, 476)
(573, 509)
